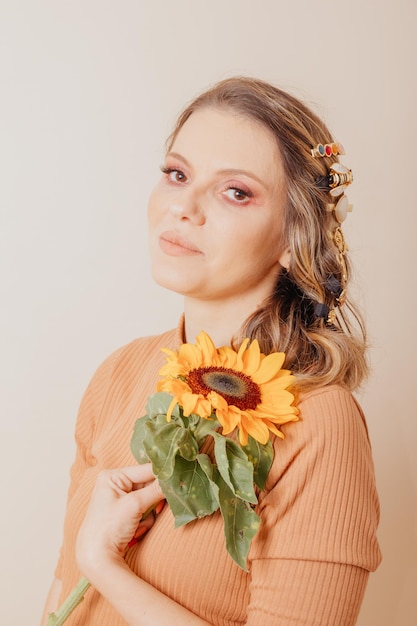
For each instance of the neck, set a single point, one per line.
(222, 321)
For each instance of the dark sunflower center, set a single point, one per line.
(235, 387)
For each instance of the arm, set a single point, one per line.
(312, 556)
(305, 593)
(88, 416)
(317, 534)
(282, 590)
(89, 409)
(113, 517)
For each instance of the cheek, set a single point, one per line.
(154, 204)
(261, 244)
(151, 202)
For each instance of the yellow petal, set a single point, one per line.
(190, 356)
(239, 362)
(251, 358)
(280, 399)
(171, 353)
(269, 368)
(171, 408)
(203, 407)
(207, 349)
(173, 369)
(173, 385)
(243, 435)
(274, 429)
(278, 384)
(255, 427)
(229, 418)
(188, 402)
(217, 401)
(227, 358)
(281, 418)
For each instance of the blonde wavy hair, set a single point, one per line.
(317, 353)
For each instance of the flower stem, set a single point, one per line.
(75, 597)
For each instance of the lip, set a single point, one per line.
(174, 244)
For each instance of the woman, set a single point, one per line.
(245, 223)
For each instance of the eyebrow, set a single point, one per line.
(227, 171)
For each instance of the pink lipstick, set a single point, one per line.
(174, 244)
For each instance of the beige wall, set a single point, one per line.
(89, 89)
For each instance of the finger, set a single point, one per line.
(126, 479)
(148, 496)
(138, 474)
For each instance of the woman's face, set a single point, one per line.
(215, 217)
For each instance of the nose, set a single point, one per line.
(188, 206)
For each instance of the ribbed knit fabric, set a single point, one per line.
(310, 561)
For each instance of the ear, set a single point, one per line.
(285, 258)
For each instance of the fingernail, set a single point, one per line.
(132, 542)
(159, 507)
(141, 531)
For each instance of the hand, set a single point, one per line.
(118, 503)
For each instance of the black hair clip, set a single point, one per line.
(321, 310)
(337, 180)
(334, 286)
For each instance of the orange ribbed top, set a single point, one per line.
(310, 561)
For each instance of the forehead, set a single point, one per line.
(231, 140)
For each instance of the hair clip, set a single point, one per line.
(321, 310)
(327, 149)
(341, 208)
(337, 180)
(324, 311)
(335, 287)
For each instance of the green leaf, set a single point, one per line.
(136, 443)
(189, 492)
(203, 428)
(187, 445)
(261, 456)
(241, 524)
(211, 472)
(234, 467)
(158, 404)
(161, 443)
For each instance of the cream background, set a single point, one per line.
(89, 91)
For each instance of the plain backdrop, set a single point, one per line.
(89, 91)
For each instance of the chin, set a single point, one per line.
(169, 279)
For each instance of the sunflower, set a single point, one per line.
(246, 389)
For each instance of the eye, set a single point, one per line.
(238, 195)
(174, 175)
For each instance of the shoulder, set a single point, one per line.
(330, 433)
(328, 396)
(143, 350)
(134, 361)
(320, 494)
(129, 372)
(331, 407)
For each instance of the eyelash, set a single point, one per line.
(170, 170)
(246, 192)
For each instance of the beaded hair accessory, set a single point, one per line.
(335, 183)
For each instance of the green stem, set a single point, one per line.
(75, 597)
